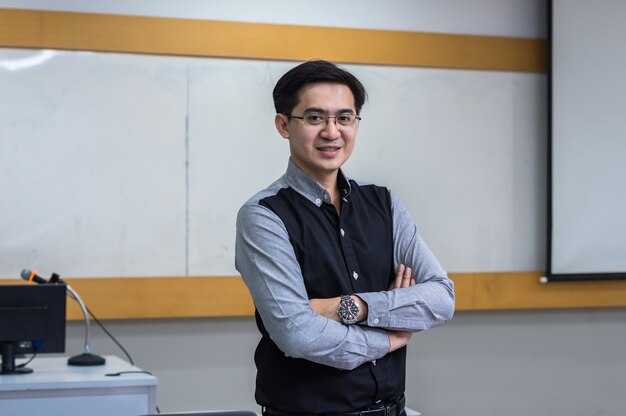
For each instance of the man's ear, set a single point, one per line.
(281, 121)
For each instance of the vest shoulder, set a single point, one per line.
(367, 187)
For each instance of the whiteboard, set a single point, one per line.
(134, 165)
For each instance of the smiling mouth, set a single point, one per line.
(328, 149)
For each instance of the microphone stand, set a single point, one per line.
(86, 359)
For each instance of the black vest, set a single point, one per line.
(333, 263)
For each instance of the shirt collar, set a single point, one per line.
(310, 189)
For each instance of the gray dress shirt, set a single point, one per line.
(268, 265)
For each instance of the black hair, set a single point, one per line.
(286, 90)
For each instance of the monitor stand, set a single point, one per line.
(8, 361)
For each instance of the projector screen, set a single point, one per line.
(587, 201)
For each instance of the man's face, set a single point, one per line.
(320, 150)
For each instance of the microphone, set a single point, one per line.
(86, 358)
(31, 276)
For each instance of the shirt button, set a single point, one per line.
(325, 197)
(355, 275)
(374, 362)
(318, 201)
(343, 233)
(376, 321)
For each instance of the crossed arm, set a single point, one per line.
(419, 298)
(397, 339)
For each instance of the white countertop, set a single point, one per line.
(52, 373)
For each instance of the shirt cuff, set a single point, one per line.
(377, 309)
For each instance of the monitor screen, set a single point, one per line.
(32, 320)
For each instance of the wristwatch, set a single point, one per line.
(348, 310)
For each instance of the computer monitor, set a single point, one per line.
(32, 320)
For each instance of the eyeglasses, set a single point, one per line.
(318, 119)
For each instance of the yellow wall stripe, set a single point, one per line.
(169, 36)
(522, 290)
(186, 297)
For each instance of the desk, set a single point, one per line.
(56, 389)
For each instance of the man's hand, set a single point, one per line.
(398, 339)
(328, 307)
(403, 278)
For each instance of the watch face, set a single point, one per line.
(348, 310)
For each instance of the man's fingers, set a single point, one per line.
(403, 278)
(406, 277)
(399, 276)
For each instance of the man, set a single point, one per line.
(338, 273)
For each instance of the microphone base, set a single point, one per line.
(86, 360)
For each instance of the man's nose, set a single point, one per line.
(330, 130)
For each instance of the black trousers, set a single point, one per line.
(381, 409)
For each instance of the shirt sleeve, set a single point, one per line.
(267, 262)
(430, 302)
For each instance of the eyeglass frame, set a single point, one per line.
(326, 117)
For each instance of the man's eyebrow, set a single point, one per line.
(321, 110)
